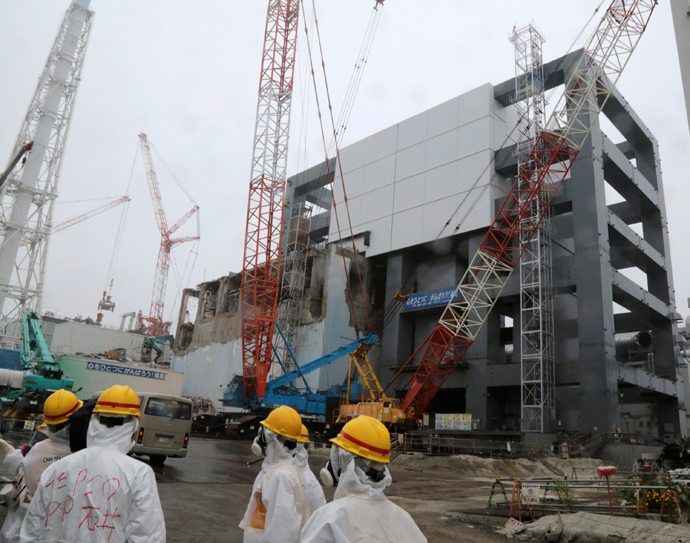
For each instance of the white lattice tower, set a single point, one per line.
(293, 280)
(28, 196)
(536, 286)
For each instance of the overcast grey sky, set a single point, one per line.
(186, 73)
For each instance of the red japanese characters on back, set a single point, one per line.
(99, 494)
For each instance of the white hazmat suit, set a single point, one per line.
(278, 507)
(28, 470)
(98, 494)
(315, 493)
(361, 513)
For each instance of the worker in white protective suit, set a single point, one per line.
(315, 493)
(360, 511)
(278, 507)
(27, 470)
(99, 494)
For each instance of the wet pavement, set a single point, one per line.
(205, 494)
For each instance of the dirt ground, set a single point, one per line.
(204, 495)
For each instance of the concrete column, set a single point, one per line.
(596, 368)
(399, 333)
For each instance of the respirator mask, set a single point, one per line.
(339, 460)
(376, 471)
(260, 443)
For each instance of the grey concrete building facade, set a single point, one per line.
(421, 195)
(609, 218)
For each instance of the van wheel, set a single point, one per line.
(157, 459)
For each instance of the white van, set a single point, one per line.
(164, 426)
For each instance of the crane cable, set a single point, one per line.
(120, 230)
(176, 272)
(352, 90)
(304, 114)
(342, 177)
(330, 174)
(172, 174)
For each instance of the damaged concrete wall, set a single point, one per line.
(209, 350)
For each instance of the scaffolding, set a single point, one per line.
(293, 280)
(536, 286)
(28, 196)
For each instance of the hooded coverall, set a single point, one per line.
(361, 513)
(315, 493)
(28, 470)
(98, 494)
(278, 507)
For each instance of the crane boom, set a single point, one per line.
(605, 56)
(155, 319)
(92, 213)
(22, 151)
(154, 187)
(262, 247)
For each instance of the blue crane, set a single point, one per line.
(282, 390)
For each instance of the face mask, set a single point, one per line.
(331, 473)
(376, 471)
(259, 445)
(62, 433)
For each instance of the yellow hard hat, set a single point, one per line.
(366, 437)
(304, 436)
(118, 400)
(285, 421)
(59, 406)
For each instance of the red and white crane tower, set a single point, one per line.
(155, 321)
(262, 247)
(586, 92)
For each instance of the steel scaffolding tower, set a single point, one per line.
(28, 196)
(536, 286)
(293, 279)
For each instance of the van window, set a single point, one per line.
(172, 409)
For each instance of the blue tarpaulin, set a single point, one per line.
(10, 360)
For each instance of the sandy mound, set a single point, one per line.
(495, 467)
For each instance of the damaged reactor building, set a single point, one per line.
(616, 347)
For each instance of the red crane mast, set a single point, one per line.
(262, 248)
(155, 319)
(605, 56)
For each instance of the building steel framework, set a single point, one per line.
(28, 196)
(590, 85)
(155, 323)
(293, 280)
(262, 248)
(537, 363)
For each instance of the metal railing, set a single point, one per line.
(445, 445)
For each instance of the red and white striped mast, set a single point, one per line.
(155, 319)
(262, 248)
